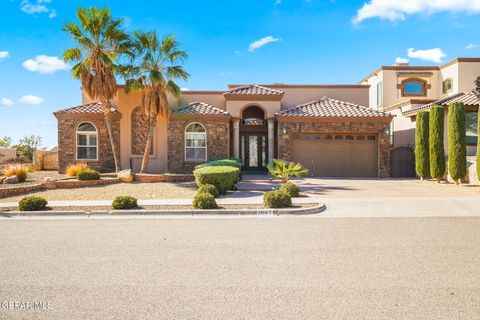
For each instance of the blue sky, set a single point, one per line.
(249, 41)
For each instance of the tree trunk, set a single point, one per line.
(148, 146)
(108, 122)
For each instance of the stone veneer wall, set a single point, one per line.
(295, 128)
(217, 142)
(67, 142)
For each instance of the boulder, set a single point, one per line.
(125, 175)
(49, 183)
(10, 180)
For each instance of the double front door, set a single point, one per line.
(253, 151)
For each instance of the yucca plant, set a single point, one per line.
(284, 170)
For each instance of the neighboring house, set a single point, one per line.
(7, 154)
(404, 90)
(328, 128)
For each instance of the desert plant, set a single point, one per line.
(88, 174)
(422, 162)
(222, 177)
(457, 144)
(277, 199)
(285, 170)
(203, 200)
(74, 169)
(124, 202)
(18, 170)
(32, 203)
(435, 142)
(208, 188)
(291, 188)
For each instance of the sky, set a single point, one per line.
(229, 42)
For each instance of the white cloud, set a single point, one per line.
(30, 99)
(38, 6)
(52, 14)
(260, 43)
(4, 54)
(401, 60)
(399, 9)
(471, 46)
(45, 64)
(185, 89)
(6, 102)
(435, 55)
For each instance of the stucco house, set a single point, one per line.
(404, 90)
(328, 128)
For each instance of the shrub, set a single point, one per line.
(222, 177)
(208, 188)
(203, 200)
(74, 169)
(435, 142)
(32, 203)
(124, 202)
(457, 141)
(231, 162)
(291, 188)
(18, 170)
(277, 199)
(285, 170)
(88, 174)
(422, 162)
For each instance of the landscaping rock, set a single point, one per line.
(49, 183)
(10, 180)
(125, 175)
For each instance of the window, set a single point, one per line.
(338, 137)
(86, 141)
(360, 137)
(447, 85)
(195, 142)
(379, 94)
(414, 87)
(328, 137)
(371, 138)
(349, 137)
(471, 126)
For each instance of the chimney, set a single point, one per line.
(402, 64)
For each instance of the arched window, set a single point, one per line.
(87, 142)
(414, 87)
(195, 142)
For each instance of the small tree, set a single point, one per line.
(422, 162)
(285, 170)
(5, 142)
(27, 146)
(457, 149)
(435, 142)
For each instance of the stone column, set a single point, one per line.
(271, 139)
(236, 138)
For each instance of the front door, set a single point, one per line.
(253, 148)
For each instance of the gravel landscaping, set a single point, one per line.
(36, 177)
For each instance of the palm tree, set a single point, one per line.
(100, 41)
(284, 170)
(154, 66)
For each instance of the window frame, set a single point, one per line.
(185, 142)
(87, 134)
(379, 94)
(424, 84)
(451, 85)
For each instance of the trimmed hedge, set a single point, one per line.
(208, 188)
(222, 177)
(291, 188)
(435, 142)
(277, 199)
(231, 162)
(457, 141)
(88, 174)
(124, 202)
(422, 163)
(32, 203)
(203, 200)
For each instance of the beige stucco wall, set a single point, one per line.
(468, 72)
(236, 107)
(7, 153)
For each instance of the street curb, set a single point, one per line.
(191, 212)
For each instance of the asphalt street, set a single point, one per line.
(241, 268)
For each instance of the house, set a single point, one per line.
(7, 154)
(404, 90)
(328, 128)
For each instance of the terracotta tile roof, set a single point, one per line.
(254, 89)
(199, 108)
(327, 107)
(90, 108)
(468, 99)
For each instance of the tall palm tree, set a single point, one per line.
(100, 41)
(154, 67)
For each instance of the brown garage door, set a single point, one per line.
(341, 155)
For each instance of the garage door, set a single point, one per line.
(342, 155)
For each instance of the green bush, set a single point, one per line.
(277, 199)
(435, 142)
(231, 162)
(208, 188)
(422, 162)
(32, 203)
(222, 177)
(124, 202)
(457, 141)
(203, 200)
(291, 188)
(88, 174)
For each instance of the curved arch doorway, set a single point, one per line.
(253, 139)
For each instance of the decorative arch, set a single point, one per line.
(253, 115)
(86, 141)
(195, 142)
(139, 131)
(419, 86)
